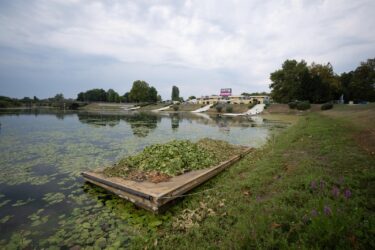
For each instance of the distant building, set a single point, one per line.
(233, 99)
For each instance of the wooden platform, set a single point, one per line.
(154, 196)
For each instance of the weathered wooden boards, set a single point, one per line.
(154, 196)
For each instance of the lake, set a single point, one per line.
(44, 203)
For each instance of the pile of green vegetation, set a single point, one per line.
(174, 158)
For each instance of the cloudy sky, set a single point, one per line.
(68, 46)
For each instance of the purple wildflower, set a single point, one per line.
(314, 213)
(335, 192)
(313, 185)
(327, 210)
(347, 193)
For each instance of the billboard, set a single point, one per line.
(225, 92)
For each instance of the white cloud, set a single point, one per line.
(248, 39)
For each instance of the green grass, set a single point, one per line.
(290, 194)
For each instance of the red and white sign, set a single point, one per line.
(225, 92)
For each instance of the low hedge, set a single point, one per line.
(303, 105)
(326, 106)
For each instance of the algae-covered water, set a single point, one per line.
(44, 203)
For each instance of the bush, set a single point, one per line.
(175, 107)
(303, 105)
(326, 106)
(4, 104)
(74, 106)
(219, 108)
(229, 109)
(293, 105)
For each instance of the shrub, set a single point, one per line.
(293, 105)
(326, 106)
(219, 108)
(74, 106)
(175, 107)
(229, 109)
(303, 105)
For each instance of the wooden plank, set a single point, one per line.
(154, 196)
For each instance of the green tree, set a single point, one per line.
(345, 80)
(316, 83)
(125, 97)
(192, 97)
(81, 97)
(324, 85)
(112, 96)
(287, 82)
(159, 98)
(152, 95)
(93, 95)
(139, 91)
(59, 97)
(175, 93)
(362, 85)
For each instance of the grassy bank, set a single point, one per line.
(310, 187)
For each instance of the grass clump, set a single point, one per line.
(173, 158)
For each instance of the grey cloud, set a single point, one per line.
(199, 45)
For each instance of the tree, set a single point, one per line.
(152, 95)
(139, 91)
(112, 96)
(81, 97)
(325, 84)
(92, 95)
(362, 85)
(159, 98)
(286, 82)
(175, 94)
(59, 97)
(125, 97)
(192, 97)
(345, 80)
(316, 83)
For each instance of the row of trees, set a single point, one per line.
(318, 83)
(141, 91)
(99, 95)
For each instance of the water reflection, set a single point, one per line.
(141, 123)
(175, 121)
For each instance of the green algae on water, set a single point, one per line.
(22, 202)
(6, 219)
(53, 198)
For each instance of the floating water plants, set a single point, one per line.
(159, 162)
